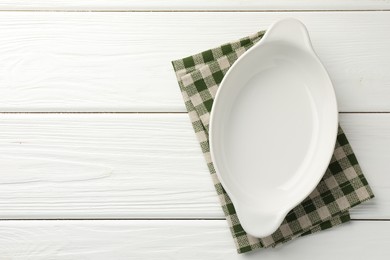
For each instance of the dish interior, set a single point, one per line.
(271, 119)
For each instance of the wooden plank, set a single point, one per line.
(139, 166)
(168, 5)
(112, 62)
(179, 240)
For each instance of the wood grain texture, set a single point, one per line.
(168, 5)
(179, 240)
(98, 61)
(139, 166)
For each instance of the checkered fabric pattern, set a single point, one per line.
(342, 187)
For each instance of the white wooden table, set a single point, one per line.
(98, 157)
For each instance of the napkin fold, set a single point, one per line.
(342, 187)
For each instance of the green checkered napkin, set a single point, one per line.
(342, 187)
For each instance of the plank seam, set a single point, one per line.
(164, 112)
(151, 219)
(193, 11)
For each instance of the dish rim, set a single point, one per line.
(333, 135)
